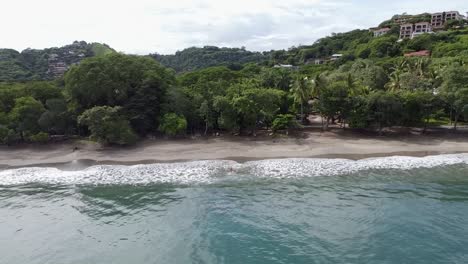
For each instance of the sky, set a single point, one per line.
(165, 26)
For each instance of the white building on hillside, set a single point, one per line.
(380, 31)
(335, 57)
(439, 19)
(406, 31)
(413, 30)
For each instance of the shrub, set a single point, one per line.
(173, 124)
(8, 136)
(40, 137)
(107, 126)
(3, 118)
(3, 134)
(358, 116)
(282, 122)
(25, 115)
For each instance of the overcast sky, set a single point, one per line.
(165, 26)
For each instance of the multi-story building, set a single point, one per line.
(453, 15)
(401, 19)
(406, 31)
(380, 31)
(421, 28)
(56, 66)
(439, 19)
(414, 30)
(405, 18)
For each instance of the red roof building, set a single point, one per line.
(421, 53)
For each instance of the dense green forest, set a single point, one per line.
(117, 99)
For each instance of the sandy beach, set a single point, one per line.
(307, 145)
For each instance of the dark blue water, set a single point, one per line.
(418, 215)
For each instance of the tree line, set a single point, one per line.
(117, 99)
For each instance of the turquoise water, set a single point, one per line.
(394, 210)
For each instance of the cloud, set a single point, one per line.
(144, 26)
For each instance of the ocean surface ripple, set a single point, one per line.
(300, 211)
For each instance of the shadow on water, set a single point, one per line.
(123, 200)
(36, 191)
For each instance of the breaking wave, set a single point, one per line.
(214, 171)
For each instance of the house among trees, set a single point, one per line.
(316, 61)
(320, 61)
(56, 65)
(285, 66)
(336, 57)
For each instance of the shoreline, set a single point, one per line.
(328, 145)
(86, 163)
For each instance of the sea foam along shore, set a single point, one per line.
(214, 171)
(312, 145)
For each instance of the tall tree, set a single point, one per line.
(138, 84)
(385, 109)
(301, 90)
(455, 90)
(25, 115)
(107, 125)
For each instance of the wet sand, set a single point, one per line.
(308, 145)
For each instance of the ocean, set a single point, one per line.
(381, 210)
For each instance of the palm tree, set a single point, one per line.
(420, 66)
(435, 77)
(318, 84)
(354, 86)
(302, 91)
(395, 81)
(395, 77)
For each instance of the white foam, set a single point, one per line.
(212, 171)
(293, 168)
(183, 173)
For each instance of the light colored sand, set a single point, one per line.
(315, 144)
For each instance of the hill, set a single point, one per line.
(449, 41)
(198, 58)
(46, 64)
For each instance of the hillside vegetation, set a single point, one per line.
(32, 64)
(360, 44)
